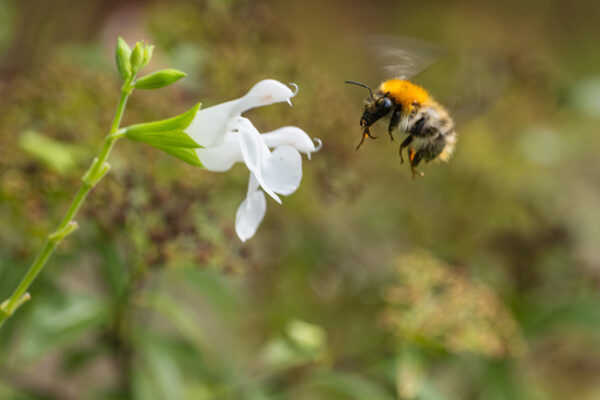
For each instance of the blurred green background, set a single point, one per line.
(478, 282)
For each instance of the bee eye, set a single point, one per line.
(384, 103)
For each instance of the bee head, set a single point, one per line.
(376, 107)
(378, 104)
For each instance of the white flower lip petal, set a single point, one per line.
(254, 149)
(292, 136)
(210, 125)
(251, 212)
(254, 152)
(282, 171)
(221, 158)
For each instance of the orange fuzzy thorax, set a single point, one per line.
(406, 93)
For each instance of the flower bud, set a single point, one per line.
(137, 56)
(159, 79)
(122, 55)
(148, 50)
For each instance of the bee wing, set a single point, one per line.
(403, 57)
(477, 82)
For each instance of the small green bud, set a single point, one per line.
(137, 56)
(159, 79)
(122, 54)
(148, 50)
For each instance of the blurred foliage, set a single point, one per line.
(433, 303)
(156, 298)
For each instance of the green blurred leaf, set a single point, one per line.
(539, 317)
(430, 392)
(411, 373)
(161, 377)
(54, 324)
(113, 267)
(346, 386)
(307, 337)
(503, 382)
(279, 354)
(213, 287)
(181, 316)
(57, 155)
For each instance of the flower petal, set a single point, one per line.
(250, 213)
(254, 149)
(222, 157)
(266, 92)
(281, 172)
(292, 136)
(255, 152)
(210, 125)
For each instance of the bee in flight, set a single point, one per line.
(411, 109)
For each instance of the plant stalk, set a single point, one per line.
(67, 225)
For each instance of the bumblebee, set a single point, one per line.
(414, 112)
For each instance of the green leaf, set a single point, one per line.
(430, 392)
(178, 123)
(163, 370)
(183, 318)
(174, 138)
(347, 386)
(168, 135)
(184, 154)
(159, 79)
(122, 54)
(61, 323)
(213, 287)
(113, 268)
(411, 373)
(58, 156)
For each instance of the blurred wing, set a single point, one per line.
(403, 57)
(478, 82)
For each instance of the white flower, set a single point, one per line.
(228, 138)
(211, 124)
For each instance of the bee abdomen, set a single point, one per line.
(449, 143)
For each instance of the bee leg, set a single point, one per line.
(366, 134)
(404, 144)
(415, 159)
(394, 122)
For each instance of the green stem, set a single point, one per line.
(67, 226)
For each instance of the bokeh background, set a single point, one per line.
(480, 281)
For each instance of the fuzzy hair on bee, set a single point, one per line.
(429, 129)
(413, 111)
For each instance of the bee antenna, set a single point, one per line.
(361, 84)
